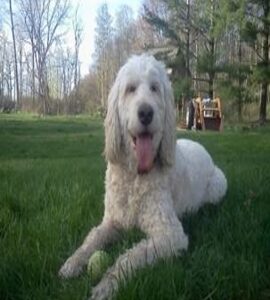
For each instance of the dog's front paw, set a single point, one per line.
(71, 268)
(105, 289)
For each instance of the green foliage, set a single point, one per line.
(173, 29)
(229, 86)
(206, 63)
(236, 71)
(52, 186)
(261, 73)
(231, 91)
(256, 32)
(207, 17)
(182, 87)
(233, 11)
(249, 33)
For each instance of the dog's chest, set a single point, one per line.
(123, 204)
(126, 197)
(129, 197)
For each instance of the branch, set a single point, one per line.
(159, 23)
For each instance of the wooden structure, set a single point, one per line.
(206, 114)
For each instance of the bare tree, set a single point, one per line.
(15, 54)
(42, 20)
(125, 34)
(103, 44)
(77, 30)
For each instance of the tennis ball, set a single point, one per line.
(97, 265)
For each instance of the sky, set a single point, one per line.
(87, 14)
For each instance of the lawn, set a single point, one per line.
(51, 190)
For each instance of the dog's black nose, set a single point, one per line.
(145, 114)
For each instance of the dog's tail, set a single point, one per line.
(217, 186)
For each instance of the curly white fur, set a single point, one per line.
(180, 179)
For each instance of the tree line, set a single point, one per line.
(211, 47)
(38, 68)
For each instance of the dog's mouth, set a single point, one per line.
(144, 150)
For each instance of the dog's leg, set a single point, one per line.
(217, 187)
(166, 243)
(97, 239)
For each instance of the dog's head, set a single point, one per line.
(140, 121)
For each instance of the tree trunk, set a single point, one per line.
(212, 70)
(33, 76)
(212, 54)
(263, 103)
(21, 75)
(264, 86)
(15, 56)
(240, 83)
(211, 87)
(188, 74)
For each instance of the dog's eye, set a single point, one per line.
(131, 89)
(154, 88)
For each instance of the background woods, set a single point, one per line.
(213, 48)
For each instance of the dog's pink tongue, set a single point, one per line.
(144, 152)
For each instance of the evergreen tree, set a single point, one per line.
(177, 30)
(236, 69)
(207, 16)
(256, 33)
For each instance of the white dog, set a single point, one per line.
(151, 179)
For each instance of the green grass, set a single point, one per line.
(51, 190)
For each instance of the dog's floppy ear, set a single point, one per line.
(167, 147)
(112, 126)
